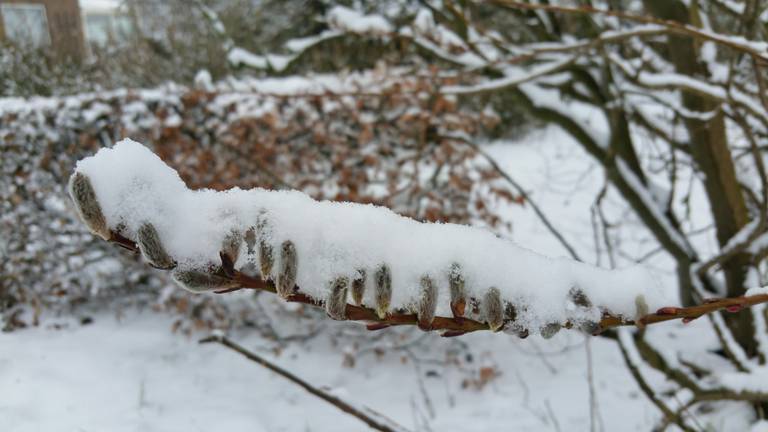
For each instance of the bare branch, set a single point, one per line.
(740, 45)
(371, 418)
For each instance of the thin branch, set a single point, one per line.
(524, 194)
(632, 359)
(457, 326)
(746, 47)
(371, 418)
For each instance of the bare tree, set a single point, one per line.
(687, 77)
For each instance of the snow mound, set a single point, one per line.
(329, 242)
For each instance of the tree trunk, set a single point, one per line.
(709, 148)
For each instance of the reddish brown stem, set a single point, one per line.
(456, 326)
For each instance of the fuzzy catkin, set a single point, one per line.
(458, 296)
(427, 303)
(87, 205)
(151, 247)
(201, 281)
(286, 276)
(336, 303)
(494, 312)
(358, 287)
(383, 290)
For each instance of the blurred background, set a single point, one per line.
(631, 136)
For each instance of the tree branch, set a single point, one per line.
(743, 46)
(371, 418)
(458, 325)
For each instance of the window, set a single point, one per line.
(25, 24)
(103, 28)
(98, 29)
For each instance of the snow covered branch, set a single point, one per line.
(359, 262)
(757, 49)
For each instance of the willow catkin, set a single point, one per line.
(358, 287)
(382, 290)
(336, 303)
(201, 281)
(549, 330)
(458, 296)
(151, 247)
(579, 298)
(494, 312)
(87, 205)
(589, 327)
(511, 323)
(266, 259)
(230, 247)
(641, 310)
(266, 252)
(427, 303)
(286, 276)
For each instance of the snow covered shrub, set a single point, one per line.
(377, 138)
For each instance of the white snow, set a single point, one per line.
(332, 239)
(350, 20)
(136, 375)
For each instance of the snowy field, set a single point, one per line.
(135, 374)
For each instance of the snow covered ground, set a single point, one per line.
(135, 374)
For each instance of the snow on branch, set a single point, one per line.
(757, 49)
(359, 262)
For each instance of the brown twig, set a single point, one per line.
(457, 326)
(371, 418)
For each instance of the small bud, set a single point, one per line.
(250, 241)
(589, 327)
(427, 303)
(87, 206)
(579, 298)
(641, 306)
(266, 252)
(230, 248)
(358, 287)
(494, 312)
(510, 312)
(667, 310)
(549, 330)
(201, 281)
(336, 304)
(458, 296)
(266, 259)
(286, 278)
(510, 320)
(152, 247)
(383, 290)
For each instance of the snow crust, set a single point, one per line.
(134, 186)
(351, 20)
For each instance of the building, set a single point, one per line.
(106, 22)
(72, 29)
(54, 24)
